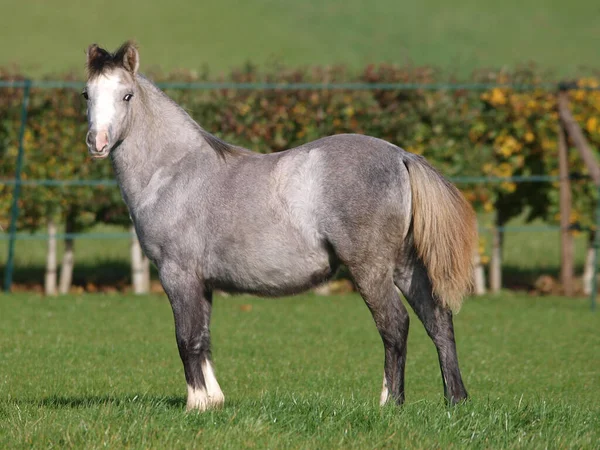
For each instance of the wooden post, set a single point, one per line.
(478, 275)
(68, 259)
(146, 267)
(50, 279)
(566, 237)
(588, 269)
(496, 258)
(139, 276)
(578, 138)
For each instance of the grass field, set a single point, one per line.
(45, 37)
(103, 371)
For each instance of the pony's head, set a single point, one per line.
(110, 92)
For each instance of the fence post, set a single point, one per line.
(596, 249)
(566, 237)
(496, 260)
(50, 278)
(141, 284)
(14, 212)
(577, 136)
(574, 131)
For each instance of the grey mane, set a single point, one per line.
(221, 147)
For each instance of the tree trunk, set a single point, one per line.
(140, 268)
(68, 260)
(588, 270)
(50, 278)
(478, 275)
(496, 257)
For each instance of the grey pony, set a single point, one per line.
(211, 215)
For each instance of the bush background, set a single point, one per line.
(501, 132)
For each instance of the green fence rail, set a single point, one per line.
(12, 236)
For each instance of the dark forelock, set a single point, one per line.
(100, 61)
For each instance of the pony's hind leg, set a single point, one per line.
(391, 319)
(414, 283)
(192, 304)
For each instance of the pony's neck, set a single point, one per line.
(161, 133)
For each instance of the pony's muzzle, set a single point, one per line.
(97, 142)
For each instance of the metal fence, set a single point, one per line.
(12, 236)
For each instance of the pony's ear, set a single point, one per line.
(131, 57)
(94, 53)
(96, 57)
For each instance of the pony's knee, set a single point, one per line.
(193, 344)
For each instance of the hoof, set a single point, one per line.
(198, 400)
(458, 400)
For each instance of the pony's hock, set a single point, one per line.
(212, 215)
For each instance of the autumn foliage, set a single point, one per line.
(500, 132)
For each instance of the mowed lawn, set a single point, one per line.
(101, 371)
(44, 37)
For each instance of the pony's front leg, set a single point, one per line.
(192, 303)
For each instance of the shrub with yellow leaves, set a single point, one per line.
(503, 132)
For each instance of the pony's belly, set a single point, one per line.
(276, 273)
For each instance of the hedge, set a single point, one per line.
(500, 132)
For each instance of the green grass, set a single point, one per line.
(44, 37)
(103, 371)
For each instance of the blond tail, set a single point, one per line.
(444, 231)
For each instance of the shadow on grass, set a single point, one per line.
(89, 401)
(519, 278)
(105, 273)
(117, 274)
(174, 402)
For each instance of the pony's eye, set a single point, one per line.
(85, 95)
(128, 97)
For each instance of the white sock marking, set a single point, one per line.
(206, 397)
(215, 394)
(385, 394)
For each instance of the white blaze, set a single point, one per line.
(103, 89)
